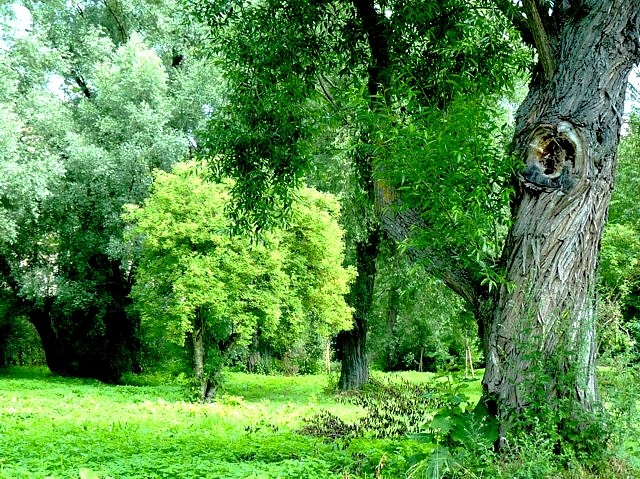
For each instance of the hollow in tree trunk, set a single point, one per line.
(542, 341)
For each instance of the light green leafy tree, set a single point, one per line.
(619, 274)
(197, 281)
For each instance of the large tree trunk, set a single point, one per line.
(351, 346)
(542, 338)
(99, 341)
(41, 320)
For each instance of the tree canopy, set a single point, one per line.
(196, 279)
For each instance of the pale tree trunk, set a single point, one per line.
(198, 356)
(542, 338)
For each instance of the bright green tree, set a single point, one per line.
(197, 281)
(619, 275)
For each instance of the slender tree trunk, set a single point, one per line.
(542, 338)
(327, 357)
(351, 346)
(198, 357)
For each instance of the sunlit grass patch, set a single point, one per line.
(52, 427)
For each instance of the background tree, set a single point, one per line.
(417, 322)
(196, 280)
(96, 110)
(355, 66)
(619, 274)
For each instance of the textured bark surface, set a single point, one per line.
(351, 346)
(567, 132)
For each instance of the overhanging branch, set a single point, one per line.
(400, 225)
(513, 13)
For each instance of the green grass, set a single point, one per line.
(53, 427)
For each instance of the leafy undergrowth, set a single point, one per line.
(59, 427)
(71, 428)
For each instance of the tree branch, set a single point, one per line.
(121, 28)
(325, 91)
(375, 26)
(540, 37)
(82, 84)
(513, 13)
(399, 226)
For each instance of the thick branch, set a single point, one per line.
(375, 25)
(540, 37)
(400, 226)
(513, 13)
(82, 84)
(121, 27)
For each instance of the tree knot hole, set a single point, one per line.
(552, 158)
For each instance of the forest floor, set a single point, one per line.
(68, 428)
(53, 427)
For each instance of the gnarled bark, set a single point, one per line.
(542, 336)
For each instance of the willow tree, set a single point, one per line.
(533, 298)
(542, 327)
(88, 109)
(535, 305)
(314, 71)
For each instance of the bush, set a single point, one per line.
(393, 409)
(19, 343)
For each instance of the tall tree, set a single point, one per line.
(542, 329)
(97, 110)
(355, 61)
(534, 300)
(197, 280)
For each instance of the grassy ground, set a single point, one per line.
(68, 428)
(55, 427)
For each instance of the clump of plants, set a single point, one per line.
(392, 409)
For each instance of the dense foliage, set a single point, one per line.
(195, 278)
(92, 102)
(620, 260)
(154, 218)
